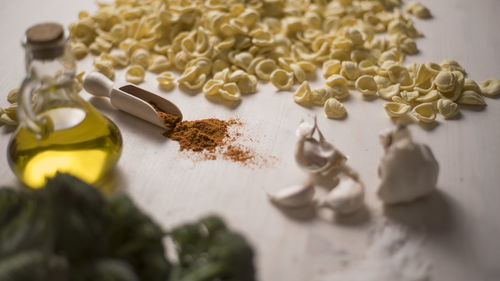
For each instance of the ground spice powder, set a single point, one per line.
(206, 134)
(169, 119)
(209, 138)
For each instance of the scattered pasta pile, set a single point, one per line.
(222, 48)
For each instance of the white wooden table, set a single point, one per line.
(461, 222)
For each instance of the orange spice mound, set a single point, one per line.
(210, 139)
(199, 135)
(168, 119)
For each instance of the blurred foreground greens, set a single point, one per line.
(68, 231)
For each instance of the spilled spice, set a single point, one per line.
(211, 139)
(200, 134)
(169, 119)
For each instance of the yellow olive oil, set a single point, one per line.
(80, 141)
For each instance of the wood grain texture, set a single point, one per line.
(461, 221)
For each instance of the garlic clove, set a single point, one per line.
(316, 156)
(293, 196)
(407, 171)
(346, 198)
(305, 130)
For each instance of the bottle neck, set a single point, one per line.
(50, 63)
(49, 84)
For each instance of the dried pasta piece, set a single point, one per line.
(320, 95)
(470, 97)
(303, 94)
(399, 74)
(447, 108)
(418, 9)
(191, 79)
(490, 87)
(335, 79)
(166, 80)
(298, 72)
(104, 65)
(338, 85)
(159, 64)
(140, 57)
(367, 67)
(119, 58)
(424, 112)
(230, 92)
(13, 95)
(281, 79)
(264, 69)
(212, 87)
(349, 70)
(367, 85)
(382, 82)
(445, 81)
(388, 92)
(11, 111)
(409, 96)
(396, 109)
(456, 89)
(135, 74)
(424, 87)
(429, 97)
(331, 67)
(247, 83)
(471, 85)
(79, 49)
(6, 120)
(451, 65)
(334, 109)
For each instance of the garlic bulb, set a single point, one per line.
(408, 170)
(294, 196)
(347, 197)
(313, 155)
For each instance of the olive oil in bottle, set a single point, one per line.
(58, 130)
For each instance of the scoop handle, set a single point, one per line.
(98, 84)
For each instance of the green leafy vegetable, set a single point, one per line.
(67, 231)
(207, 250)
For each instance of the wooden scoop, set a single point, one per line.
(131, 99)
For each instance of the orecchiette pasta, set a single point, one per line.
(471, 98)
(396, 109)
(334, 109)
(166, 80)
(389, 92)
(135, 74)
(367, 85)
(303, 94)
(281, 79)
(490, 87)
(424, 112)
(230, 92)
(447, 108)
(264, 68)
(224, 47)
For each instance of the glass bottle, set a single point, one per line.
(58, 130)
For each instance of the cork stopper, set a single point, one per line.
(44, 33)
(44, 40)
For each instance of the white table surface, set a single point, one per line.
(461, 222)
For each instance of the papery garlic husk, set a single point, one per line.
(316, 156)
(293, 196)
(407, 171)
(346, 198)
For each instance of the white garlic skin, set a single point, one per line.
(407, 171)
(293, 196)
(313, 155)
(346, 198)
